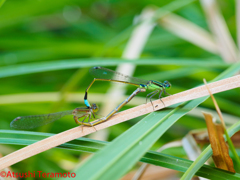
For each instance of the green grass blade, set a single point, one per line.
(179, 164)
(27, 138)
(14, 70)
(92, 146)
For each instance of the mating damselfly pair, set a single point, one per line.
(99, 74)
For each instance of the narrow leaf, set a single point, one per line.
(29, 68)
(91, 146)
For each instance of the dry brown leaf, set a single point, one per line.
(219, 147)
(236, 139)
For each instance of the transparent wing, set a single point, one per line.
(33, 121)
(104, 73)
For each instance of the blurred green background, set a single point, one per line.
(42, 31)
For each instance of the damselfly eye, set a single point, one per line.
(167, 84)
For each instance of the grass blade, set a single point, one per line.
(89, 145)
(29, 68)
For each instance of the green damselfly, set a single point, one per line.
(104, 74)
(33, 121)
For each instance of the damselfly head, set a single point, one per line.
(167, 84)
(94, 107)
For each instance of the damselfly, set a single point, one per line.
(33, 121)
(104, 74)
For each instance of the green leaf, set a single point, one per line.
(29, 68)
(180, 164)
(90, 145)
(27, 138)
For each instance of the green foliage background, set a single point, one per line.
(95, 32)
